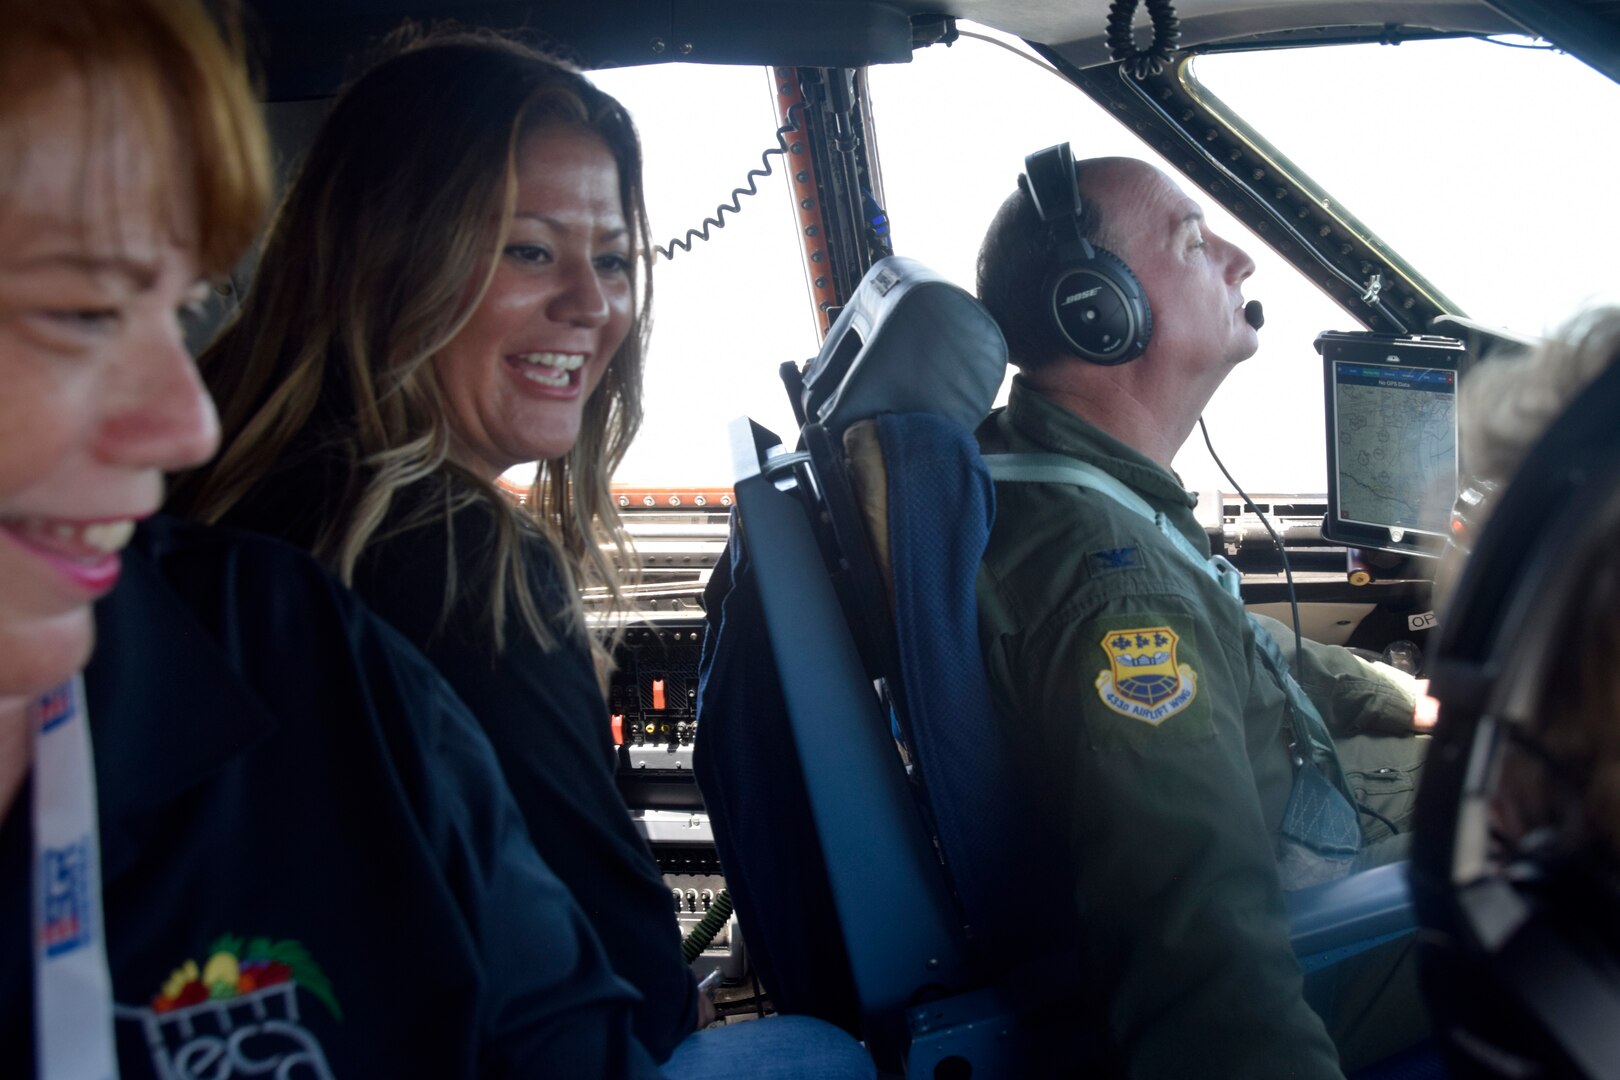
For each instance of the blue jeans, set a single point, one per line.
(775, 1048)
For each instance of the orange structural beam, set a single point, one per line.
(637, 497)
(801, 176)
(666, 498)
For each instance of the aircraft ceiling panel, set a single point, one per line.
(306, 43)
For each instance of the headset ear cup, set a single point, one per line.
(1098, 309)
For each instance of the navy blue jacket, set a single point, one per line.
(305, 837)
(543, 712)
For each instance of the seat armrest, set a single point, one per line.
(1337, 919)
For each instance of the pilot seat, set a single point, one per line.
(890, 872)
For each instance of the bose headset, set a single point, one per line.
(1521, 951)
(1094, 303)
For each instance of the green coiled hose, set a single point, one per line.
(707, 927)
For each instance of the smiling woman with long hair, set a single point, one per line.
(456, 284)
(398, 248)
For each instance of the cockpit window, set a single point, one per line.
(953, 127)
(1484, 167)
(730, 310)
(1487, 165)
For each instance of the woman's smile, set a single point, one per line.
(84, 553)
(555, 374)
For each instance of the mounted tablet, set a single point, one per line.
(1391, 439)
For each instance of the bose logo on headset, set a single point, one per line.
(1093, 301)
(1079, 296)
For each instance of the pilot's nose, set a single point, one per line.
(156, 413)
(1238, 264)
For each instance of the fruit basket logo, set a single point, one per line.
(238, 1015)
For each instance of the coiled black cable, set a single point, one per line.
(718, 221)
(694, 943)
(1122, 41)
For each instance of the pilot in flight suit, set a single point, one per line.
(1195, 776)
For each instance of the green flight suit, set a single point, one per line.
(1163, 738)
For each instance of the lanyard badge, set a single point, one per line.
(72, 987)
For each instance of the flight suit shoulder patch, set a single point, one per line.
(1146, 675)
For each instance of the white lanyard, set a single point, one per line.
(73, 1022)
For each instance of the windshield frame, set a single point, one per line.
(1256, 182)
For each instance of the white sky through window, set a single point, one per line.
(952, 128)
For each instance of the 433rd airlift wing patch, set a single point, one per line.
(1144, 681)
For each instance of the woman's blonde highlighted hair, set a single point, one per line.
(402, 201)
(180, 74)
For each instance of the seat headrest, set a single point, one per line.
(908, 341)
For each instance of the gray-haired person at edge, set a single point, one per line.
(1550, 853)
(292, 850)
(1193, 806)
(458, 282)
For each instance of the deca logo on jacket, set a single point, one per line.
(239, 1014)
(1144, 681)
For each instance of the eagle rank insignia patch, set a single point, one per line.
(1144, 681)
